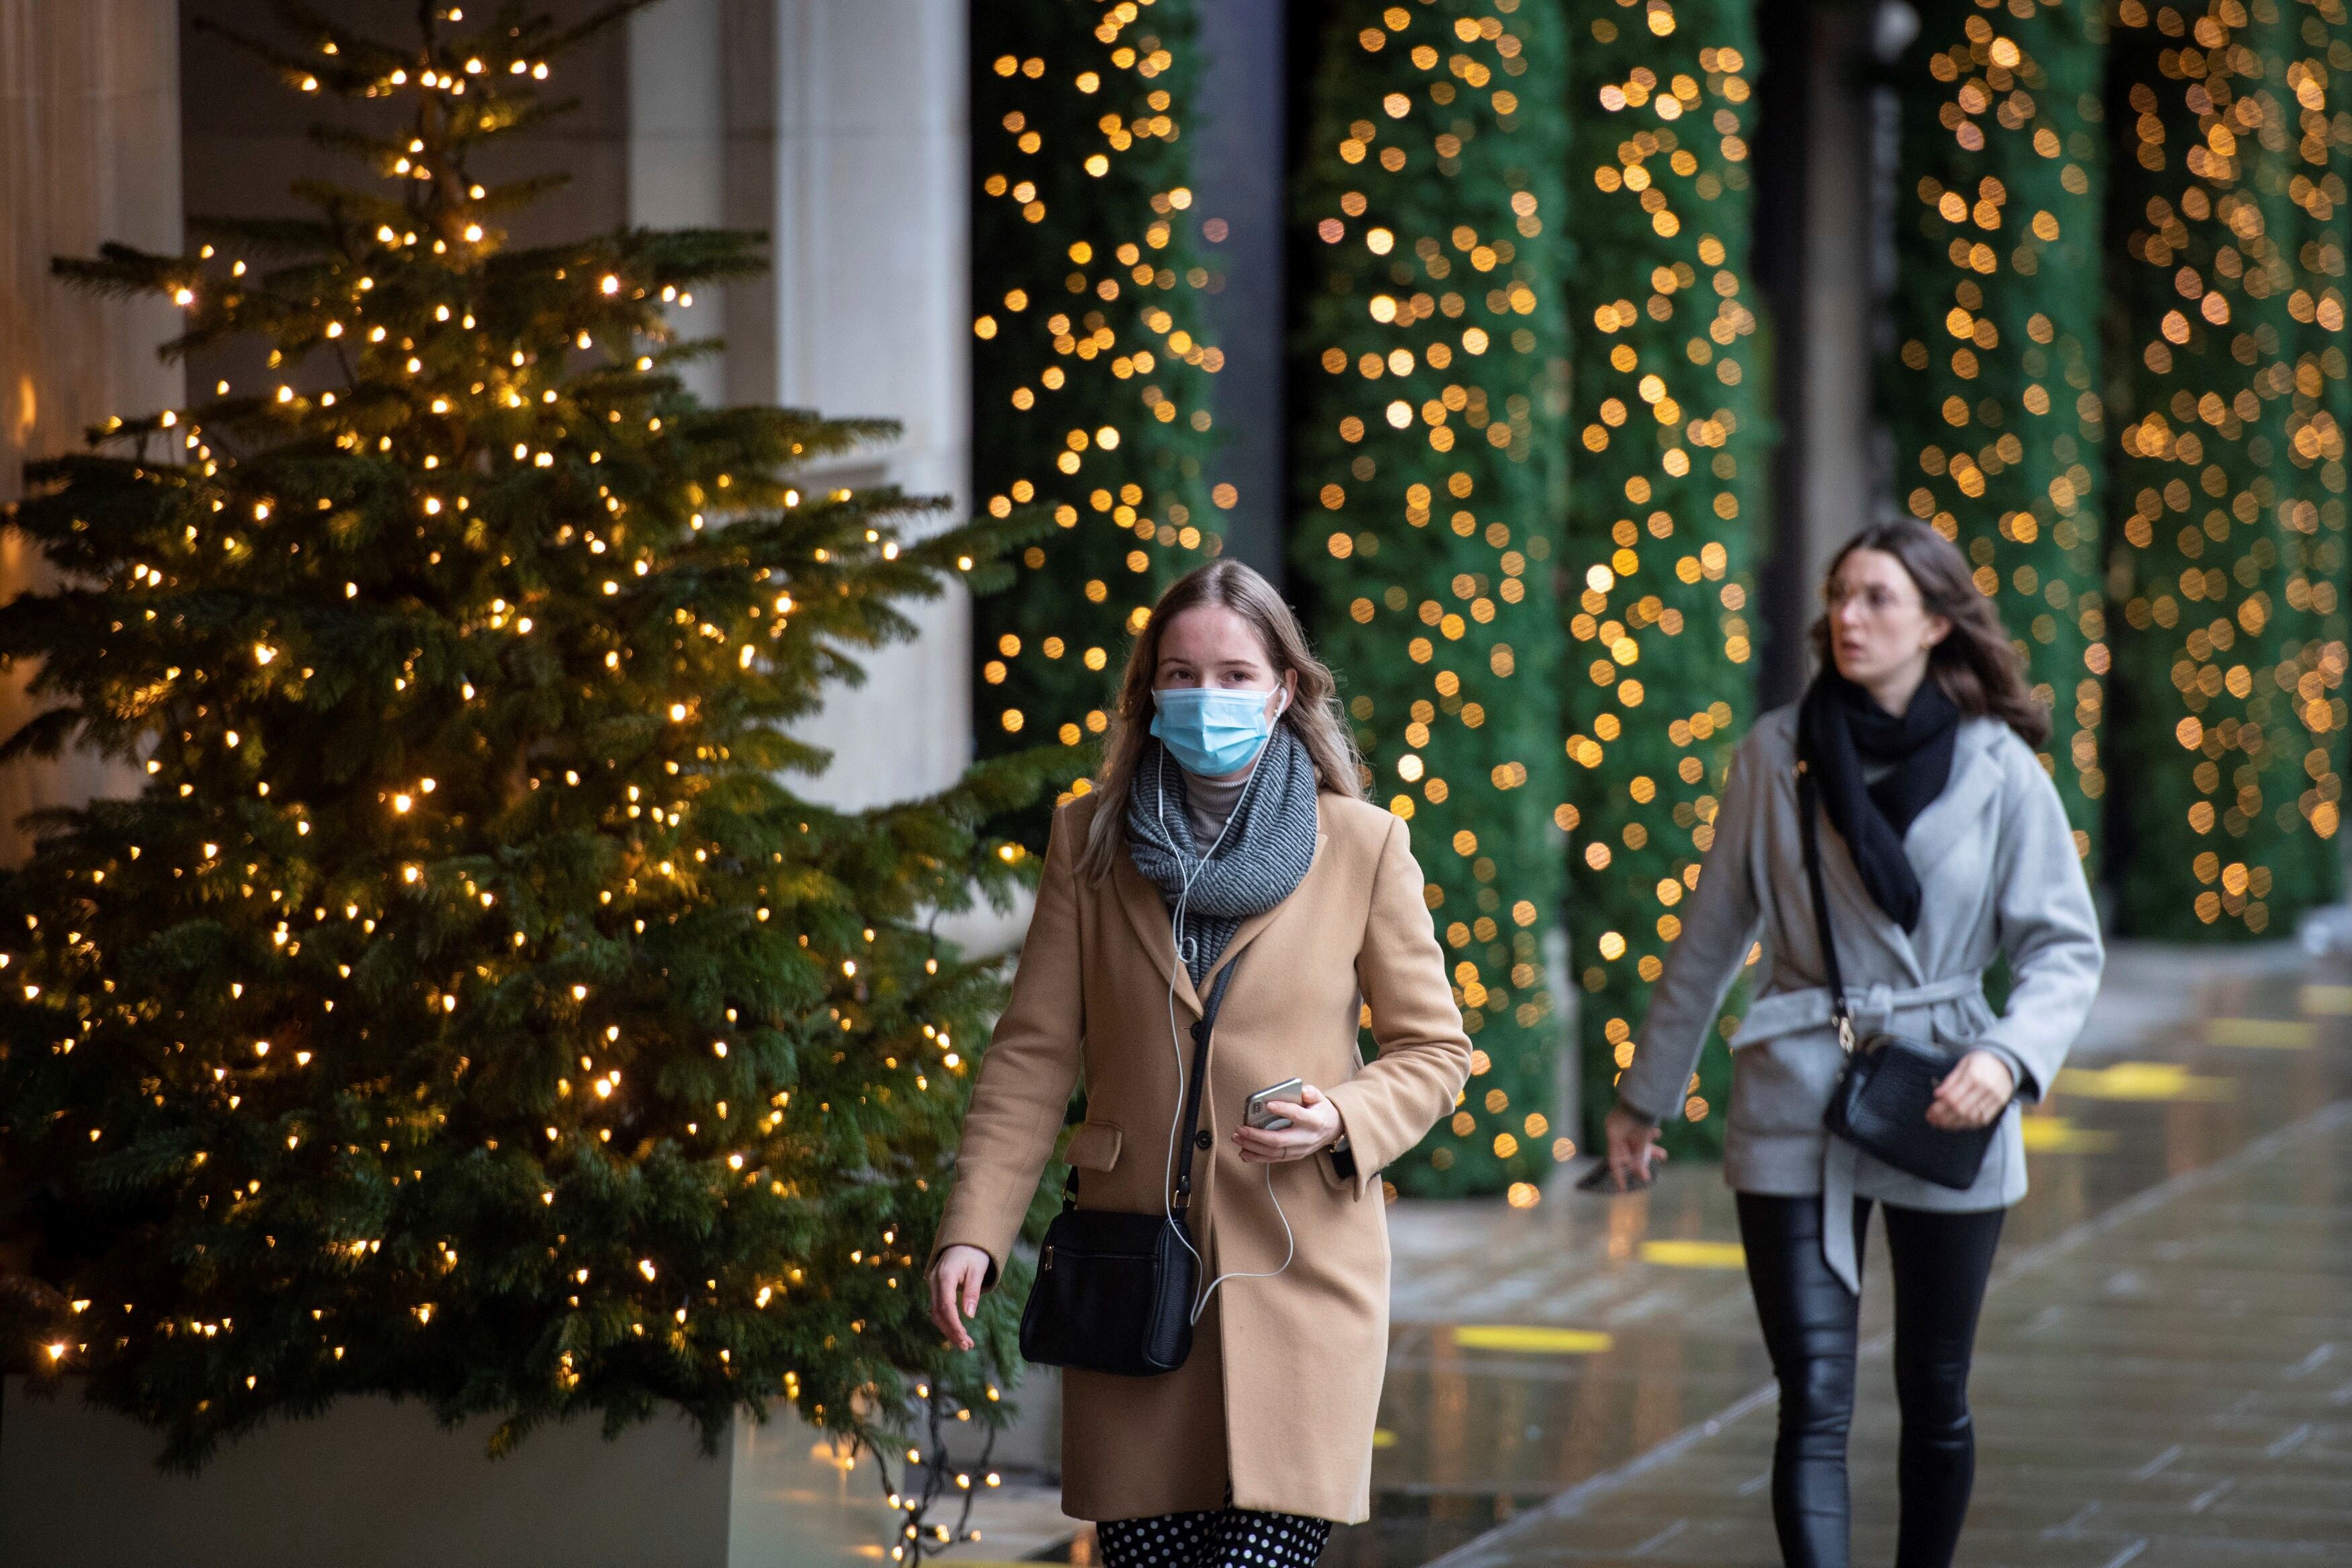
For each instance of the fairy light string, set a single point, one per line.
(2312, 63)
(1092, 416)
(2230, 463)
(1429, 379)
(1669, 451)
(1995, 397)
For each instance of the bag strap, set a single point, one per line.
(1201, 1030)
(1807, 810)
(1201, 1033)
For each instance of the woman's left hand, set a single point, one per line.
(1972, 1093)
(1314, 1123)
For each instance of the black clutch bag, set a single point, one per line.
(1880, 1103)
(1114, 1290)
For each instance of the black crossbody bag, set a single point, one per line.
(1114, 1290)
(1880, 1103)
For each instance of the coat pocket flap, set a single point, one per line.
(1095, 1145)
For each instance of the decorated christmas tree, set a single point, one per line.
(466, 1008)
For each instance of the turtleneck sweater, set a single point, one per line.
(1209, 801)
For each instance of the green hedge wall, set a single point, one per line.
(1429, 470)
(1994, 401)
(2231, 456)
(1670, 472)
(1090, 387)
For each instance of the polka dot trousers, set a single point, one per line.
(1227, 1538)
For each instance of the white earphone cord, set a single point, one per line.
(1175, 1121)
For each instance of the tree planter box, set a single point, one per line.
(374, 1484)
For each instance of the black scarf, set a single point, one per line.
(1840, 726)
(1269, 843)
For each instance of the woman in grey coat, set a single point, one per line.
(1942, 843)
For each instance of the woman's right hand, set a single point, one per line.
(956, 1280)
(1633, 1148)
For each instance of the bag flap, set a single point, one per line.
(1095, 1145)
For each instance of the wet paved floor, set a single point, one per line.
(2164, 1373)
(2164, 1369)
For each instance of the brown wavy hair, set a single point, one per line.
(1980, 668)
(1312, 714)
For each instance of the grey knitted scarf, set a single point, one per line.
(1269, 842)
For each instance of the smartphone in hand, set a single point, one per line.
(1255, 1115)
(1602, 1180)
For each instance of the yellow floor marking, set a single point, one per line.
(1521, 1336)
(2142, 1081)
(2260, 1034)
(2327, 1000)
(1383, 1439)
(1694, 1254)
(2057, 1135)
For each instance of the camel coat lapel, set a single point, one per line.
(1279, 1394)
(1147, 913)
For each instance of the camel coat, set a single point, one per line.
(1280, 1391)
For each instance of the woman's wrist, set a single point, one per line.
(1325, 1139)
(1626, 1108)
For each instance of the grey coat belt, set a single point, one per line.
(1873, 1007)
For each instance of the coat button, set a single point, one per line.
(1203, 1140)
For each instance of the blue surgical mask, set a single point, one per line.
(1212, 732)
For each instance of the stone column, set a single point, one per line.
(1814, 247)
(1238, 173)
(1842, 479)
(89, 151)
(677, 148)
(846, 141)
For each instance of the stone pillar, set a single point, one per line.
(677, 148)
(855, 117)
(1814, 246)
(1238, 173)
(89, 151)
(1834, 351)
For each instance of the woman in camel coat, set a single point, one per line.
(1264, 1437)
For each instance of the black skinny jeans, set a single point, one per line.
(1941, 1262)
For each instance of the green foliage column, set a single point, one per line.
(1669, 476)
(2232, 569)
(2312, 60)
(1428, 465)
(1994, 406)
(466, 1008)
(1090, 387)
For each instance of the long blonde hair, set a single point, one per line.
(1312, 714)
